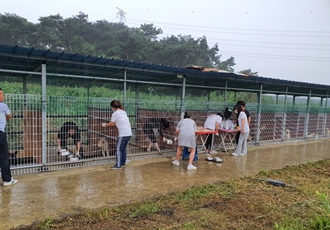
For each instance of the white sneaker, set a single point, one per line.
(12, 182)
(191, 167)
(235, 154)
(213, 152)
(176, 162)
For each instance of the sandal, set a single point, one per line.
(218, 160)
(209, 159)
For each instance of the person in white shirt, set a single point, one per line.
(120, 119)
(212, 122)
(243, 126)
(5, 116)
(185, 134)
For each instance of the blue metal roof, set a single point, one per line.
(29, 59)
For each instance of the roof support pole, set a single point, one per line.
(125, 85)
(137, 108)
(307, 114)
(225, 95)
(208, 100)
(24, 89)
(284, 112)
(325, 115)
(183, 96)
(24, 85)
(44, 112)
(259, 115)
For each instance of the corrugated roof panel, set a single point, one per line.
(29, 59)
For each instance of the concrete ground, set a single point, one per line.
(58, 193)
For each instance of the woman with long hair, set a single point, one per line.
(244, 128)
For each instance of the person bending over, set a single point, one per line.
(69, 130)
(212, 122)
(158, 124)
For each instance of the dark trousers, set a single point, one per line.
(4, 158)
(208, 144)
(237, 137)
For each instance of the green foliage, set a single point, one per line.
(46, 224)
(145, 209)
(111, 40)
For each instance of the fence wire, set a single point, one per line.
(24, 130)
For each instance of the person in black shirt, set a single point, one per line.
(69, 129)
(242, 103)
(159, 124)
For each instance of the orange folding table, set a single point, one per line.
(200, 132)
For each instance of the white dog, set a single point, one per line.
(103, 144)
(312, 135)
(287, 134)
(262, 128)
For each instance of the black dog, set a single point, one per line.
(13, 160)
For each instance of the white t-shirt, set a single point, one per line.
(211, 121)
(242, 116)
(4, 110)
(122, 122)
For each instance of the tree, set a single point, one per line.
(77, 34)
(15, 30)
(149, 31)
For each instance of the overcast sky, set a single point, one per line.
(283, 39)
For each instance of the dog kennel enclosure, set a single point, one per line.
(47, 88)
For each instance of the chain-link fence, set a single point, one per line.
(33, 134)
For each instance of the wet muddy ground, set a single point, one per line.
(55, 194)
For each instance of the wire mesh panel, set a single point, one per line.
(25, 131)
(150, 128)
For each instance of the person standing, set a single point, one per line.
(244, 128)
(185, 134)
(120, 119)
(5, 116)
(212, 122)
(155, 124)
(69, 129)
(242, 103)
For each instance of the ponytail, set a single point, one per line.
(116, 104)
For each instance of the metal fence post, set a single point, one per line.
(307, 115)
(183, 96)
(325, 115)
(44, 113)
(125, 86)
(284, 112)
(259, 114)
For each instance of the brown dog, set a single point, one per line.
(103, 144)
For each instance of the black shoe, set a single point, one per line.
(115, 167)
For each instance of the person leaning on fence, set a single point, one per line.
(212, 122)
(243, 127)
(5, 116)
(159, 124)
(120, 119)
(242, 103)
(185, 134)
(69, 129)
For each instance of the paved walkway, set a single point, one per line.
(54, 194)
